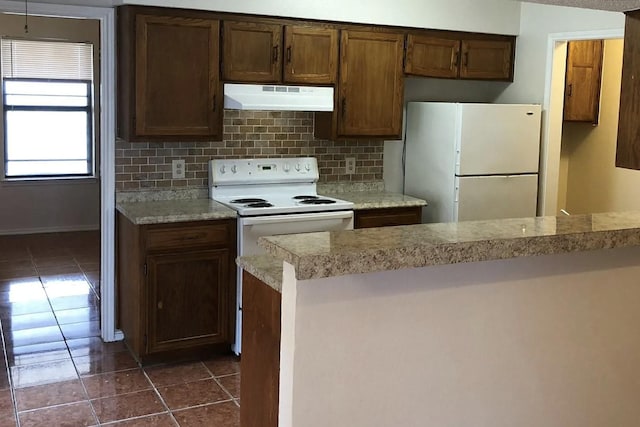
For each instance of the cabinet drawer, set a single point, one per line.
(388, 217)
(181, 236)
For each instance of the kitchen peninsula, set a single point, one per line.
(522, 322)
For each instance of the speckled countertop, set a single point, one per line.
(265, 267)
(164, 211)
(147, 210)
(376, 199)
(327, 254)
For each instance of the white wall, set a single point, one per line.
(537, 22)
(490, 16)
(538, 341)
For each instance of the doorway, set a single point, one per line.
(106, 18)
(551, 166)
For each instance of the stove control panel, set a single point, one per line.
(268, 170)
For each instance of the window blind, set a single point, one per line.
(46, 60)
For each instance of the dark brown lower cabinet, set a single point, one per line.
(176, 288)
(260, 363)
(388, 217)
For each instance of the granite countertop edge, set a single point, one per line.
(146, 212)
(177, 210)
(376, 199)
(265, 267)
(355, 252)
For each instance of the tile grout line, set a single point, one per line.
(155, 389)
(218, 382)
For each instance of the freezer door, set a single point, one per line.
(498, 139)
(495, 197)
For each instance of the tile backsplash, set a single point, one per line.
(145, 166)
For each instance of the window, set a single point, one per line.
(47, 105)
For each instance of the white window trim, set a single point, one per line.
(106, 16)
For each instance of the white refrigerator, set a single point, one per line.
(473, 161)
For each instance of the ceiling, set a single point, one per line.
(613, 5)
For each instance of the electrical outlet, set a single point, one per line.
(177, 169)
(350, 165)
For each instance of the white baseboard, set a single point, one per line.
(57, 229)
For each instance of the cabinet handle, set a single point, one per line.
(466, 59)
(160, 305)
(455, 59)
(214, 102)
(344, 107)
(570, 89)
(289, 54)
(275, 54)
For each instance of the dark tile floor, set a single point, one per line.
(56, 371)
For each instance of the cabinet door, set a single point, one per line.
(487, 59)
(628, 146)
(432, 56)
(252, 52)
(188, 296)
(177, 77)
(582, 82)
(311, 55)
(371, 84)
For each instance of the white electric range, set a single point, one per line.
(273, 196)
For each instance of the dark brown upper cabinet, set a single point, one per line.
(168, 75)
(487, 59)
(311, 55)
(447, 55)
(370, 89)
(583, 81)
(432, 56)
(272, 53)
(252, 52)
(628, 148)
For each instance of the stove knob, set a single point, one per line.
(234, 169)
(298, 167)
(286, 167)
(223, 169)
(307, 167)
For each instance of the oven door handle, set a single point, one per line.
(319, 216)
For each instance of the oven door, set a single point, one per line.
(260, 226)
(250, 228)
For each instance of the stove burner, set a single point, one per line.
(244, 201)
(317, 202)
(305, 197)
(264, 204)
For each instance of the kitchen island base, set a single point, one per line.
(546, 340)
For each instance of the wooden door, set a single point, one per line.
(487, 59)
(583, 80)
(371, 84)
(252, 52)
(188, 297)
(177, 82)
(311, 55)
(628, 146)
(432, 57)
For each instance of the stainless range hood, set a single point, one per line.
(277, 98)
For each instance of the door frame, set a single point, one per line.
(106, 16)
(553, 104)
